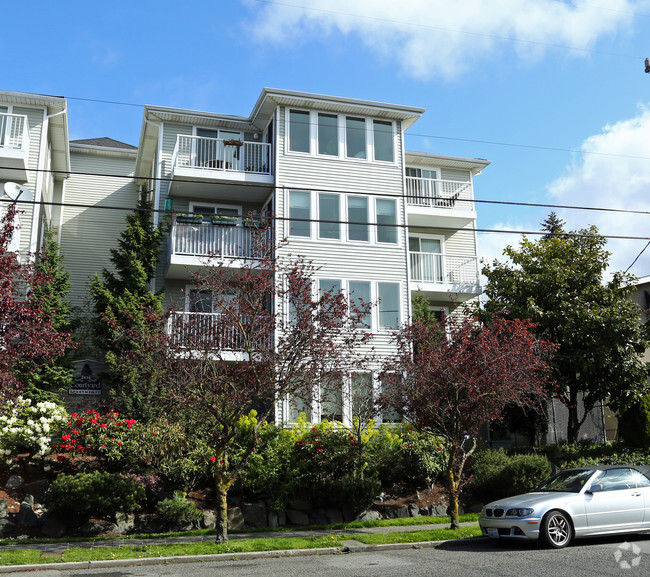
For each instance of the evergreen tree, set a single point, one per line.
(120, 298)
(553, 225)
(46, 381)
(558, 283)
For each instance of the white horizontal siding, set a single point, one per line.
(88, 234)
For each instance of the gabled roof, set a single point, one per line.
(104, 142)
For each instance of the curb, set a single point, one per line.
(218, 557)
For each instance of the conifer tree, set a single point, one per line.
(120, 296)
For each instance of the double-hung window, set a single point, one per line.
(360, 303)
(358, 228)
(300, 213)
(383, 140)
(299, 137)
(355, 137)
(386, 220)
(329, 216)
(389, 305)
(328, 134)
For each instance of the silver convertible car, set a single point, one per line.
(574, 503)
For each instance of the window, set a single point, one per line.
(358, 228)
(332, 398)
(299, 131)
(328, 134)
(209, 210)
(362, 396)
(355, 137)
(386, 220)
(327, 284)
(389, 305)
(298, 405)
(299, 209)
(360, 300)
(383, 140)
(390, 385)
(329, 216)
(200, 301)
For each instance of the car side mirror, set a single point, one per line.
(595, 488)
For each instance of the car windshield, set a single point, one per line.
(569, 481)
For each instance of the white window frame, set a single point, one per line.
(393, 135)
(369, 224)
(310, 132)
(318, 216)
(396, 227)
(400, 320)
(312, 211)
(194, 203)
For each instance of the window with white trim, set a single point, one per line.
(329, 216)
(328, 134)
(386, 220)
(388, 294)
(299, 208)
(355, 137)
(299, 133)
(384, 142)
(358, 218)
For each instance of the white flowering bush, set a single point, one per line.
(29, 427)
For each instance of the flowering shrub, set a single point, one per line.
(108, 437)
(24, 426)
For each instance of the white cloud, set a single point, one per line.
(614, 174)
(439, 38)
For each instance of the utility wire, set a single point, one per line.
(331, 190)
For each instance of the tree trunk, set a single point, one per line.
(452, 479)
(573, 426)
(222, 512)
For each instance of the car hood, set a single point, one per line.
(531, 499)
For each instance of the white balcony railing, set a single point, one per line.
(436, 193)
(211, 331)
(14, 132)
(217, 154)
(206, 240)
(432, 268)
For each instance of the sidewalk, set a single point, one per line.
(349, 545)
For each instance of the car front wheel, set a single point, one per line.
(557, 530)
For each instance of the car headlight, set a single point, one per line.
(521, 512)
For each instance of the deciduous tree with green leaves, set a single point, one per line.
(559, 283)
(121, 296)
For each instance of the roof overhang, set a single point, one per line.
(475, 165)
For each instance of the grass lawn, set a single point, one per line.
(125, 551)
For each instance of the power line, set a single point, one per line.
(346, 222)
(334, 190)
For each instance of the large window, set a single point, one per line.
(328, 134)
(361, 299)
(299, 131)
(355, 137)
(362, 396)
(383, 140)
(426, 259)
(358, 228)
(329, 216)
(386, 220)
(389, 305)
(299, 208)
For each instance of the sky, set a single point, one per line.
(552, 92)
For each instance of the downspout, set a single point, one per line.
(60, 227)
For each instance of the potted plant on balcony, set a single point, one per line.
(191, 218)
(233, 142)
(224, 219)
(252, 220)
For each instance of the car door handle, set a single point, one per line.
(636, 494)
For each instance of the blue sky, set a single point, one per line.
(552, 92)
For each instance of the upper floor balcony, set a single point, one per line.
(445, 277)
(432, 202)
(193, 246)
(199, 160)
(14, 147)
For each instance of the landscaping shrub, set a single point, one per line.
(29, 427)
(98, 494)
(111, 439)
(178, 512)
(496, 474)
(634, 424)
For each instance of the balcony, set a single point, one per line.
(432, 202)
(198, 160)
(193, 246)
(14, 147)
(445, 277)
(203, 332)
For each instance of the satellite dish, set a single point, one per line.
(15, 191)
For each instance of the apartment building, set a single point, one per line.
(375, 219)
(378, 221)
